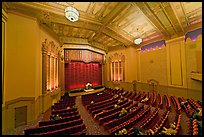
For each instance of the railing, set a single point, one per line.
(168, 90)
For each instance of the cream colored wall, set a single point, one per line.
(20, 57)
(130, 63)
(170, 66)
(193, 61)
(153, 65)
(23, 68)
(176, 62)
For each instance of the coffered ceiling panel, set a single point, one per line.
(188, 13)
(111, 24)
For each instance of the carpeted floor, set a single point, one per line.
(92, 125)
(93, 128)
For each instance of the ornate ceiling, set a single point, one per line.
(106, 25)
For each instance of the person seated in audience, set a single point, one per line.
(183, 103)
(150, 132)
(170, 131)
(92, 102)
(124, 93)
(119, 100)
(137, 131)
(56, 117)
(116, 106)
(197, 114)
(123, 112)
(122, 132)
(115, 96)
(74, 107)
(68, 108)
(144, 100)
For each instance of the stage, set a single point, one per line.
(85, 92)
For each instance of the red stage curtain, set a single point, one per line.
(78, 74)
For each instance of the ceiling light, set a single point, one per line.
(71, 14)
(138, 41)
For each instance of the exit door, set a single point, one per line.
(20, 116)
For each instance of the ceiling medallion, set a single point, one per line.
(138, 41)
(71, 14)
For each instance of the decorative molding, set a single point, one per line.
(10, 102)
(78, 46)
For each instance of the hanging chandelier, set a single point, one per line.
(138, 41)
(71, 14)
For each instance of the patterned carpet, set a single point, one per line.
(93, 128)
(92, 125)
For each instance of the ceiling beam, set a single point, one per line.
(145, 8)
(111, 16)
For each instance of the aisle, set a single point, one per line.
(93, 128)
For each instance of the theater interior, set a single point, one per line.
(101, 68)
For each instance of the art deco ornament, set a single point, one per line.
(71, 14)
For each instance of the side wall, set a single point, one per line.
(171, 66)
(22, 75)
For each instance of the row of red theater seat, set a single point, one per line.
(48, 128)
(193, 127)
(117, 121)
(64, 119)
(132, 96)
(167, 100)
(160, 103)
(148, 119)
(113, 101)
(55, 112)
(194, 103)
(115, 113)
(147, 122)
(122, 104)
(73, 130)
(86, 99)
(70, 123)
(176, 103)
(128, 123)
(178, 122)
(62, 106)
(159, 124)
(100, 102)
(154, 99)
(187, 107)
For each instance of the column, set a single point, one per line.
(44, 72)
(48, 73)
